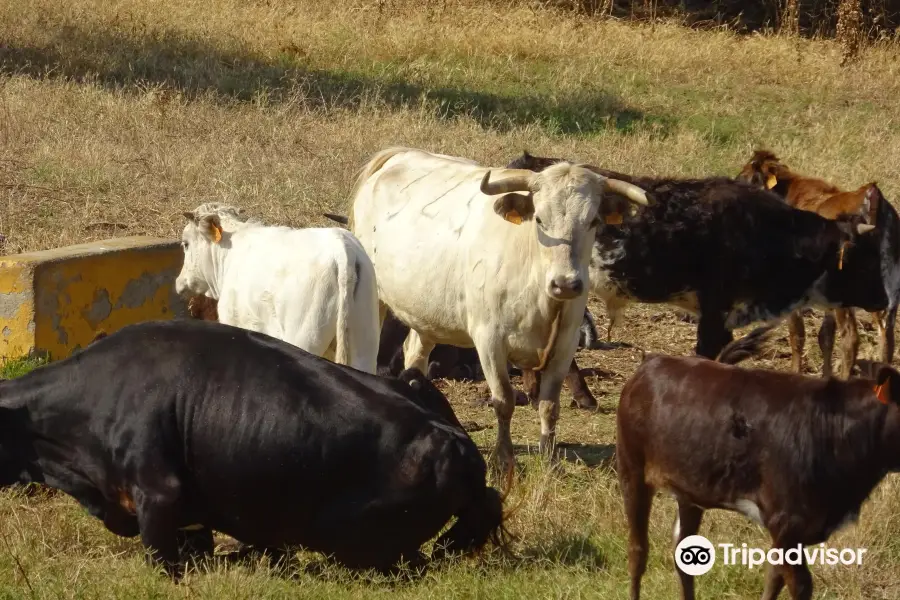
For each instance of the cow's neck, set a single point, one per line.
(44, 436)
(219, 265)
(854, 461)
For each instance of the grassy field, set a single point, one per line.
(117, 115)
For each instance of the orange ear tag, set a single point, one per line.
(217, 233)
(883, 392)
(771, 182)
(513, 217)
(841, 257)
(614, 219)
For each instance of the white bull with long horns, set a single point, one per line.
(491, 258)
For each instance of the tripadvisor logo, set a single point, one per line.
(696, 555)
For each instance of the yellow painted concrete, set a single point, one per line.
(56, 300)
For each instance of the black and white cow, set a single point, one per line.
(172, 429)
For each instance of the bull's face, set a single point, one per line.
(564, 205)
(201, 241)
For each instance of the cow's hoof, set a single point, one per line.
(585, 404)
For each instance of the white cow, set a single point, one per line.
(491, 258)
(314, 288)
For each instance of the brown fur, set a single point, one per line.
(829, 201)
(201, 307)
(806, 452)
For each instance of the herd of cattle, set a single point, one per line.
(308, 372)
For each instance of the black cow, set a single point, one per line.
(730, 253)
(173, 429)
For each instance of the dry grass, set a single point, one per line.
(117, 116)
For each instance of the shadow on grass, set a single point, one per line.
(571, 550)
(195, 68)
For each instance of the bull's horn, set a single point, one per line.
(629, 190)
(519, 182)
(864, 228)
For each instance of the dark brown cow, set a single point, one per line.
(797, 454)
(816, 195)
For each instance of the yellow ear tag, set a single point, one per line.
(614, 219)
(771, 182)
(841, 257)
(883, 392)
(217, 233)
(513, 217)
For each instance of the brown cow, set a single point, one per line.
(823, 198)
(797, 454)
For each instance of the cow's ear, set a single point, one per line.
(515, 208)
(190, 216)
(887, 385)
(871, 200)
(211, 227)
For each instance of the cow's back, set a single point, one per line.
(433, 238)
(279, 280)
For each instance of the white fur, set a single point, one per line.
(293, 284)
(458, 273)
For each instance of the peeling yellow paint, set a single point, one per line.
(55, 301)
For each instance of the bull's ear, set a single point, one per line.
(211, 227)
(515, 208)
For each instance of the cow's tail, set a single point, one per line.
(746, 347)
(370, 168)
(347, 280)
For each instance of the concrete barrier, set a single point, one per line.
(53, 302)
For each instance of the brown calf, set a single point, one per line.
(797, 454)
(823, 198)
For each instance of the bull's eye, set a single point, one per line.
(595, 223)
(538, 221)
(184, 245)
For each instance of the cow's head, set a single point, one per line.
(563, 204)
(17, 456)
(763, 170)
(202, 241)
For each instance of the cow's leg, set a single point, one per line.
(887, 319)
(158, 512)
(846, 321)
(553, 375)
(774, 583)
(797, 578)
(416, 351)
(826, 342)
(583, 398)
(638, 499)
(797, 337)
(493, 357)
(613, 313)
(687, 523)
(195, 544)
(712, 335)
